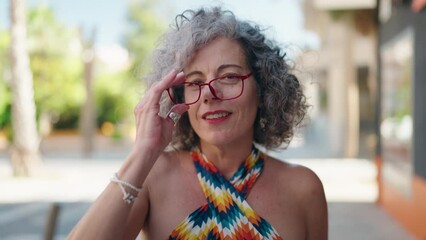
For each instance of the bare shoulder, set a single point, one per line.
(168, 164)
(301, 186)
(169, 161)
(295, 180)
(297, 177)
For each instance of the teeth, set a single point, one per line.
(216, 115)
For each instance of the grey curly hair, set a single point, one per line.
(282, 101)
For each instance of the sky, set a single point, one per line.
(283, 18)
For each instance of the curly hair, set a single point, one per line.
(282, 101)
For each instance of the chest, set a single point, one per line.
(275, 204)
(181, 194)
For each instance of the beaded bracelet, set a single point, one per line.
(127, 197)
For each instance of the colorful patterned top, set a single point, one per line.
(226, 215)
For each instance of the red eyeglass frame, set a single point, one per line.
(212, 90)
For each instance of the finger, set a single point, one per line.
(175, 112)
(159, 87)
(138, 106)
(170, 81)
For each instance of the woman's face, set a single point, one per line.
(222, 122)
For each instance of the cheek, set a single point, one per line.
(247, 111)
(252, 103)
(192, 114)
(250, 113)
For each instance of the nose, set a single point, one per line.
(207, 94)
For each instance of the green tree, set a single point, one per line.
(55, 60)
(25, 155)
(115, 96)
(5, 103)
(117, 93)
(144, 28)
(55, 53)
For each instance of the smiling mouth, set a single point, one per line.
(216, 115)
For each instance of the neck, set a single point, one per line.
(227, 158)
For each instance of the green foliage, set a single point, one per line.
(144, 29)
(4, 104)
(58, 86)
(117, 93)
(5, 100)
(55, 56)
(56, 62)
(115, 96)
(337, 15)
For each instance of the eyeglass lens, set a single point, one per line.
(223, 88)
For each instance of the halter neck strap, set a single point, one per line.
(227, 214)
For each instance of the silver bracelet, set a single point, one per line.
(116, 179)
(127, 197)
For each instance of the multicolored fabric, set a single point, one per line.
(226, 215)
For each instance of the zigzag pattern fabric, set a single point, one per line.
(226, 215)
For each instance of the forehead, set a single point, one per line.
(216, 53)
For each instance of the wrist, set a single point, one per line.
(143, 155)
(136, 167)
(128, 197)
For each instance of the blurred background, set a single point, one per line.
(71, 73)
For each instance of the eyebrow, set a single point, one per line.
(220, 68)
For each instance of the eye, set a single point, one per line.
(230, 79)
(194, 83)
(231, 76)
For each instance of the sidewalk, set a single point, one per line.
(352, 214)
(74, 182)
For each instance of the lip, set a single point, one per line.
(218, 120)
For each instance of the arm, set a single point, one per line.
(309, 193)
(110, 217)
(315, 206)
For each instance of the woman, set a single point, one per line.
(233, 89)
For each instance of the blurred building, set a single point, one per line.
(402, 108)
(371, 74)
(345, 72)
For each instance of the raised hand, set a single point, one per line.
(154, 132)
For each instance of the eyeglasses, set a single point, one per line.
(222, 88)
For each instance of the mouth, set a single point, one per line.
(215, 115)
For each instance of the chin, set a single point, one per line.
(218, 141)
(224, 139)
